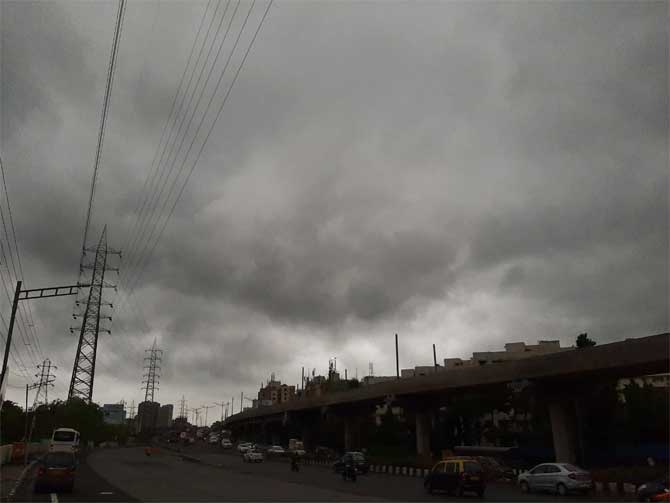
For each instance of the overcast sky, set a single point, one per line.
(464, 174)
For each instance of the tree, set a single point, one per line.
(583, 341)
(12, 423)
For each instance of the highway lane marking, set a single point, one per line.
(54, 498)
(106, 492)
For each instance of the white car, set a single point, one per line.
(276, 450)
(226, 444)
(213, 439)
(252, 456)
(244, 447)
(560, 478)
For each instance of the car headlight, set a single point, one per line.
(642, 487)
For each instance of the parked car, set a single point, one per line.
(226, 444)
(650, 489)
(56, 470)
(561, 478)
(456, 475)
(213, 439)
(276, 450)
(244, 447)
(355, 457)
(253, 456)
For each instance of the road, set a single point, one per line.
(129, 475)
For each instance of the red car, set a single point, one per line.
(56, 471)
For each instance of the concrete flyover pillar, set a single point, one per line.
(423, 427)
(352, 432)
(563, 429)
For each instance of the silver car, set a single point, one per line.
(555, 477)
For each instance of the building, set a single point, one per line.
(369, 380)
(114, 413)
(316, 386)
(165, 416)
(513, 351)
(275, 392)
(147, 415)
(421, 370)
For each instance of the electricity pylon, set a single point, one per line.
(83, 372)
(152, 377)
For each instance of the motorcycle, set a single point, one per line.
(349, 473)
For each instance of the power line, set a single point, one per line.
(18, 257)
(150, 175)
(103, 118)
(218, 114)
(176, 152)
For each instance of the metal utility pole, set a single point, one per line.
(232, 406)
(132, 410)
(207, 407)
(46, 379)
(183, 410)
(397, 364)
(241, 400)
(83, 372)
(222, 405)
(152, 377)
(34, 293)
(434, 356)
(302, 385)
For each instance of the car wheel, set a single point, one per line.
(561, 489)
(525, 488)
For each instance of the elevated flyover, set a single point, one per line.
(628, 358)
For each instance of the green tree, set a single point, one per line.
(12, 423)
(583, 341)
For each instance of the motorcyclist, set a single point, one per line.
(349, 471)
(294, 462)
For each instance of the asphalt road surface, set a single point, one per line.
(129, 475)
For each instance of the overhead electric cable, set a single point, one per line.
(211, 128)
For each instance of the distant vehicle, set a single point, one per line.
(276, 450)
(213, 439)
(561, 478)
(56, 470)
(650, 489)
(253, 456)
(244, 447)
(226, 444)
(456, 475)
(664, 496)
(295, 445)
(64, 439)
(354, 457)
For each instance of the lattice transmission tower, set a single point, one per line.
(91, 314)
(151, 379)
(46, 379)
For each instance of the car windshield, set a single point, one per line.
(472, 467)
(59, 459)
(63, 436)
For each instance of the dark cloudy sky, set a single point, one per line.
(464, 174)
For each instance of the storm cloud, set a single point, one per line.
(465, 174)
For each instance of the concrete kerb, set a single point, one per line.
(19, 481)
